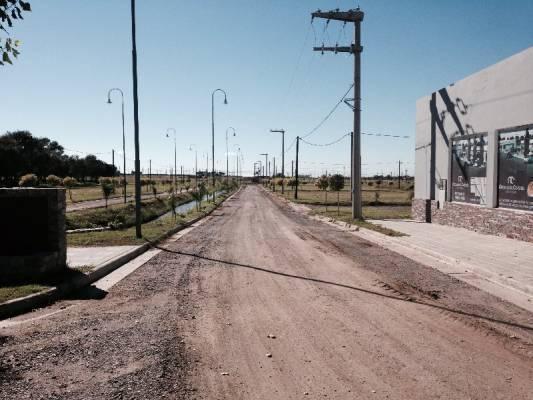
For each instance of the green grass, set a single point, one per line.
(13, 292)
(120, 214)
(151, 231)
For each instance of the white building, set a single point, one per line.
(474, 151)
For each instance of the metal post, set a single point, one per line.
(138, 222)
(399, 174)
(150, 172)
(213, 135)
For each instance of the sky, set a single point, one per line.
(260, 53)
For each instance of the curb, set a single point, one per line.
(21, 305)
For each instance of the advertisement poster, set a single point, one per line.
(515, 178)
(469, 169)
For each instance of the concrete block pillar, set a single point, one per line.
(492, 169)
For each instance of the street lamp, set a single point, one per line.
(237, 160)
(213, 134)
(172, 129)
(195, 164)
(123, 135)
(282, 131)
(227, 155)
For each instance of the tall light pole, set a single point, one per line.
(123, 136)
(213, 134)
(282, 131)
(138, 221)
(227, 150)
(172, 129)
(266, 162)
(237, 160)
(195, 163)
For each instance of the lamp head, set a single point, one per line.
(225, 100)
(109, 100)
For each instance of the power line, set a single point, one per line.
(386, 135)
(329, 114)
(325, 144)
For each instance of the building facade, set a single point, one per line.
(474, 151)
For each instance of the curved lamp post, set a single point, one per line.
(227, 155)
(123, 135)
(238, 146)
(213, 133)
(167, 135)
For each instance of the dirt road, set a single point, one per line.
(346, 320)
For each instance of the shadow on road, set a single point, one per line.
(370, 292)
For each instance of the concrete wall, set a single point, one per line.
(496, 98)
(34, 245)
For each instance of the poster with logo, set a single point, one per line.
(469, 169)
(515, 170)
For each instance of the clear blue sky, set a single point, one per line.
(73, 51)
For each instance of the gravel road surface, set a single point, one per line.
(261, 302)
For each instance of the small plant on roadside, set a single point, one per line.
(53, 180)
(107, 189)
(172, 202)
(154, 189)
(69, 183)
(336, 184)
(322, 183)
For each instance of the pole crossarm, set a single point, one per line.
(336, 15)
(339, 49)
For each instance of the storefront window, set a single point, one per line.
(515, 169)
(469, 169)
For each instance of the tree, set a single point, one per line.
(322, 183)
(10, 11)
(292, 183)
(336, 184)
(69, 183)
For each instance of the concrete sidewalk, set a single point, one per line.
(501, 266)
(93, 256)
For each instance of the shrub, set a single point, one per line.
(53, 180)
(28, 180)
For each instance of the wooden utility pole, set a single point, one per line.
(150, 171)
(113, 158)
(399, 174)
(356, 16)
(297, 150)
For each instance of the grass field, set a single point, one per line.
(13, 292)
(120, 214)
(151, 230)
(384, 201)
(94, 192)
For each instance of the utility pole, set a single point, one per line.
(351, 165)
(282, 131)
(150, 171)
(138, 222)
(356, 16)
(292, 168)
(266, 162)
(113, 157)
(297, 150)
(399, 174)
